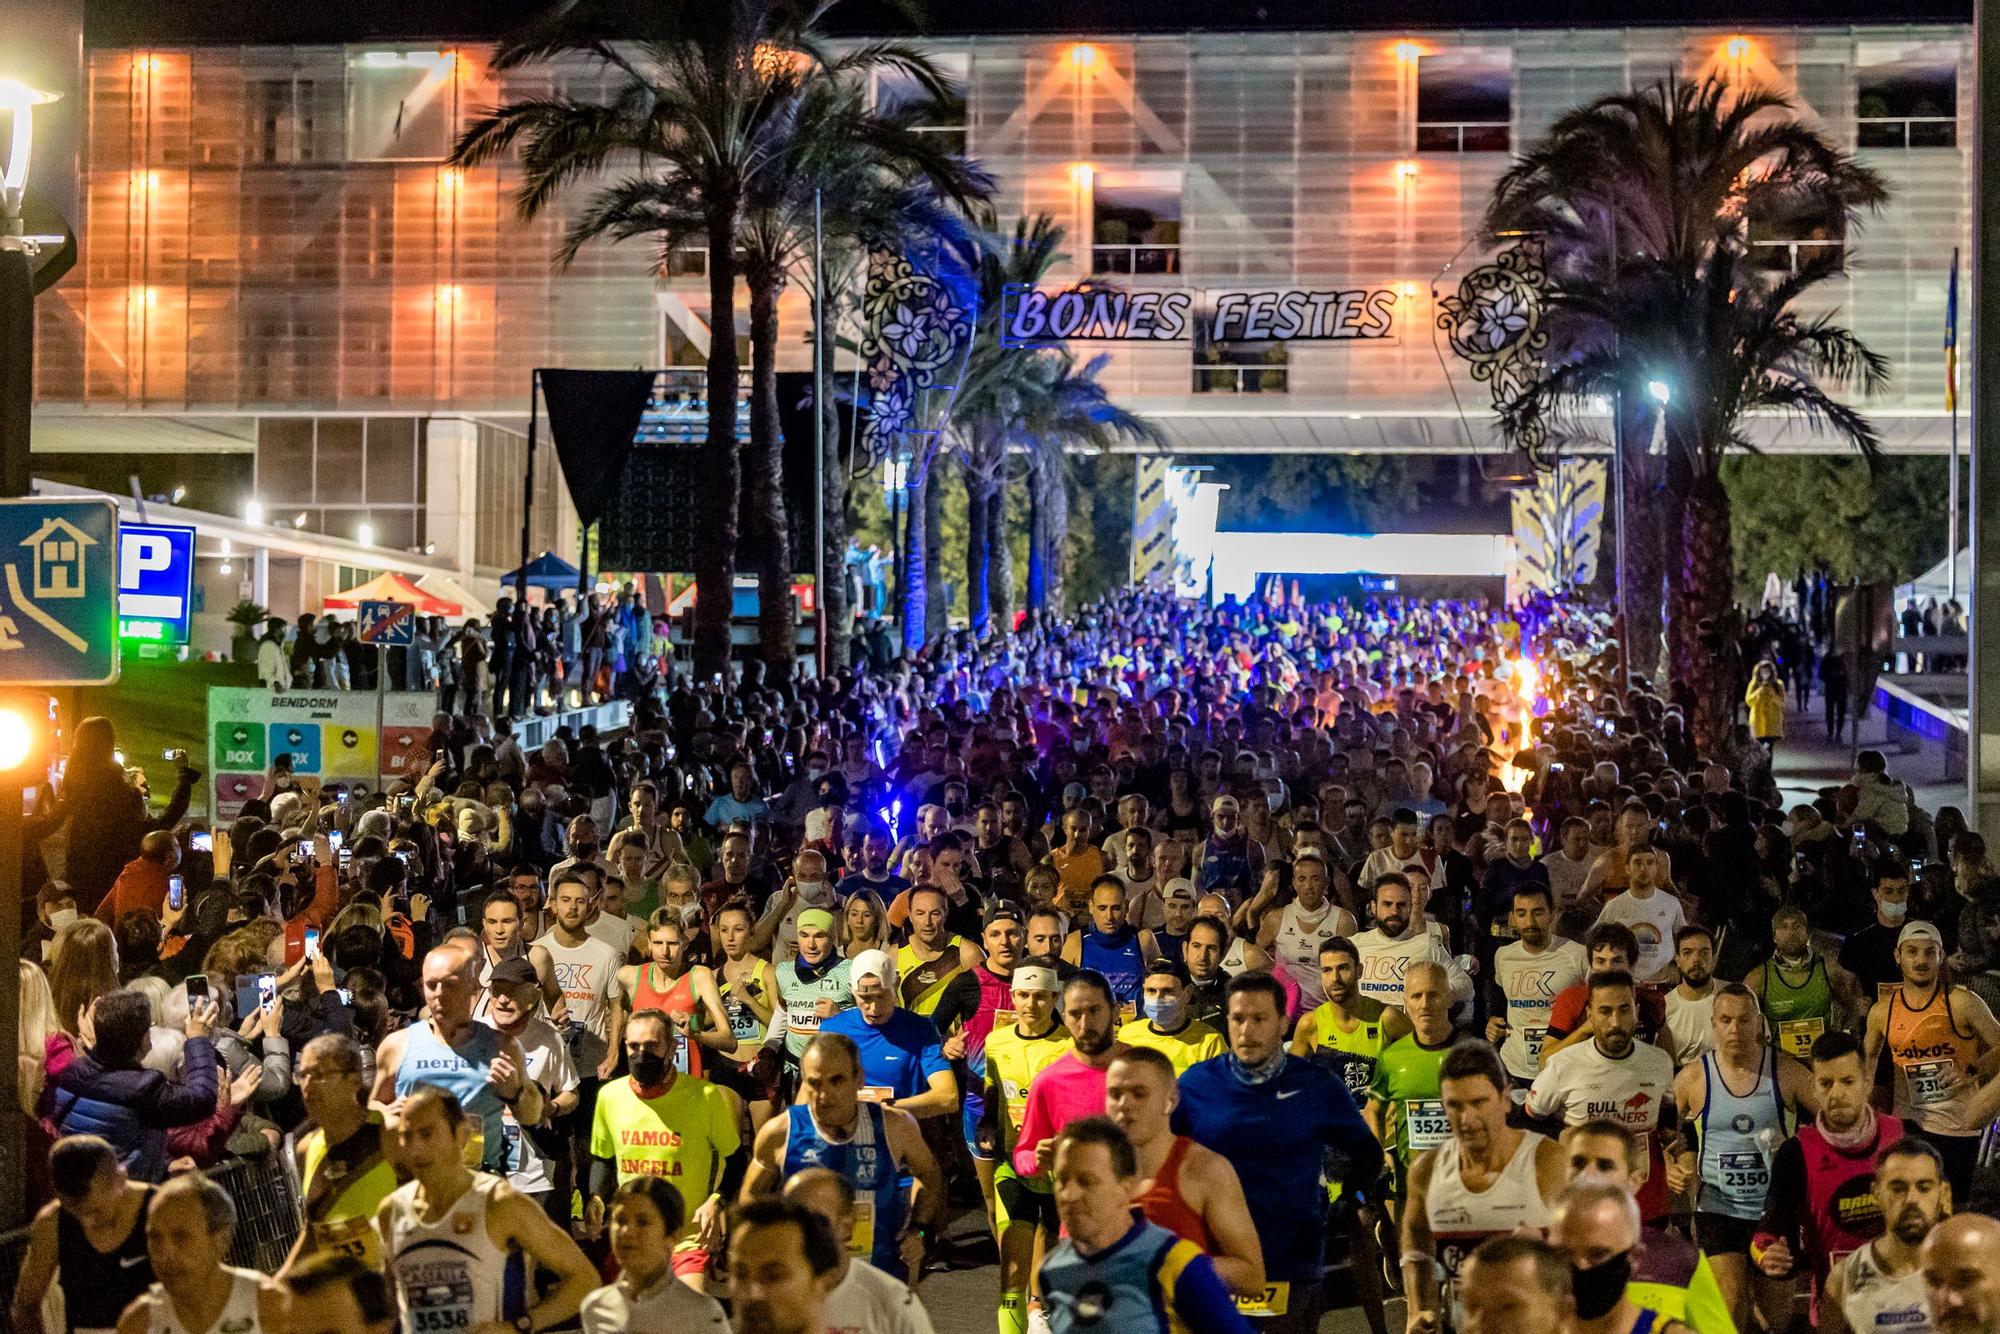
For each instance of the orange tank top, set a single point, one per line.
(1934, 1064)
(677, 999)
(1164, 1204)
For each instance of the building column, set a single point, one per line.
(260, 576)
(451, 519)
(1983, 676)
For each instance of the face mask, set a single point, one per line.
(1599, 1289)
(1167, 1012)
(61, 918)
(583, 852)
(649, 1068)
(690, 913)
(1894, 912)
(816, 772)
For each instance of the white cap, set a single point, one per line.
(872, 963)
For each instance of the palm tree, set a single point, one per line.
(872, 177)
(692, 92)
(1642, 194)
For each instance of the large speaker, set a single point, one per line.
(651, 527)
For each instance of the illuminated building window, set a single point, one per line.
(1789, 240)
(894, 90)
(399, 106)
(1135, 222)
(1240, 366)
(1907, 97)
(1465, 102)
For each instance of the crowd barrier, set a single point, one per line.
(533, 733)
(267, 1223)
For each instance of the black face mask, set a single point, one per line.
(1600, 1287)
(649, 1068)
(583, 852)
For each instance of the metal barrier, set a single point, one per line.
(267, 1220)
(608, 717)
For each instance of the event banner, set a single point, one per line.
(1035, 316)
(331, 736)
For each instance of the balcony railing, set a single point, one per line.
(1790, 256)
(1241, 379)
(1135, 259)
(1906, 132)
(1463, 136)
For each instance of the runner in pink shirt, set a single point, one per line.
(1072, 1086)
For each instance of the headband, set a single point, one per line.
(818, 918)
(1034, 978)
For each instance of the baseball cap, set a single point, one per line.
(518, 972)
(1180, 887)
(873, 963)
(1919, 931)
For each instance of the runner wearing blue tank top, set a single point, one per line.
(879, 1150)
(1743, 1098)
(1112, 945)
(482, 1068)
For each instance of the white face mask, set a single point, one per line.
(61, 918)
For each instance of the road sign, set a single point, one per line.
(155, 582)
(387, 624)
(58, 592)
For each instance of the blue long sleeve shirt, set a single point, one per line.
(1276, 1135)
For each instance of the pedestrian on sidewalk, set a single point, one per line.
(1766, 700)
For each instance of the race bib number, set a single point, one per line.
(1004, 1020)
(1275, 1300)
(742, 1020)
(1796, 1036)
(437, 1296)
(876, 1093)
(1532, 1039)
(862, 1242)
(1744, 1172)
(1931, 1081)
(1427, 1122)
(350, 1236)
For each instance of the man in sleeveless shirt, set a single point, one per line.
(482, 1068)
(1191, 1191)
(1112, 946)
(1798, 986)
(1487, 1180)
(1738, 1098)
(188, 1231)
(90, 1240)
(1936, 1034)
(1880, 1287)
(344, 1163)
(463, 1245)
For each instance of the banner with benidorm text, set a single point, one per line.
(1039, 316)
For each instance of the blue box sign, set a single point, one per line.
(155, 582)
(58, 586)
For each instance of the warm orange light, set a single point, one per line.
(1738, 48)
(448, 294)
(149, 297)
(145, 181)
(1081, 175)
(1083, 55)
(1409, 289)
(1408, 52)
(450, 178)
(1406, 170)
(147, 64)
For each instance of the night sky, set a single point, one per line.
(306, 22)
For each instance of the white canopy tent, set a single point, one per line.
(1936, 581)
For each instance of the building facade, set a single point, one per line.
(288, 296)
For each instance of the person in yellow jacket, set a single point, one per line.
(1766, 698)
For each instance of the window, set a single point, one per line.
(895, 90)
(399, 106)
(1785, 242)
(1136, 222)
(1465, 102)
(1239, 366)
(1907, 97)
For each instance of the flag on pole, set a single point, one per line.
(1951, 338)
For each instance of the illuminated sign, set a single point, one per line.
(155, 582)
(1035, 316)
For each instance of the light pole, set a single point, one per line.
(23, 273)
(895, 489)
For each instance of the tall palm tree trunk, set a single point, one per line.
(917, 570)
(937, 605)
(1707, 578)
(979, 489)
(1000, 561)
(715, 547)
(1038, 538)
(1056, 525)
(833, 516)
(777, 622)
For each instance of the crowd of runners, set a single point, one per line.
(1234, 963)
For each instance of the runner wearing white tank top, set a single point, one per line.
(1460, 1218)
(451, 1274)
(1300, 934)
(1874, 1301)
(241, 1314)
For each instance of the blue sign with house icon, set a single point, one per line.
(58, 592)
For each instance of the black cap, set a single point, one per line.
(516, 972)
(1171, 966)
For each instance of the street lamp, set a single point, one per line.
(20, 101)
(364, 533)
(1659, 392)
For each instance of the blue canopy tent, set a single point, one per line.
(548, 572)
